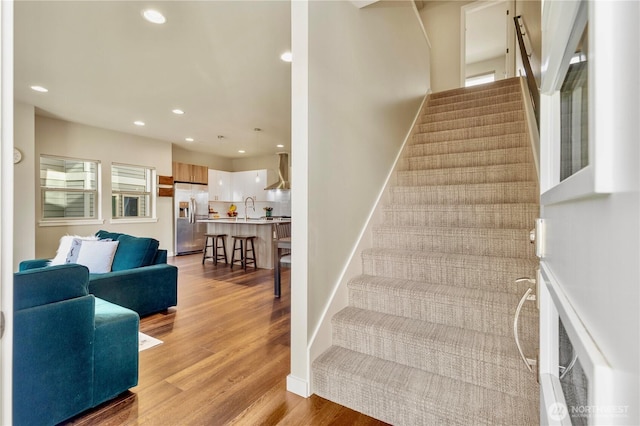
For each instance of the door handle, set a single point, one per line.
(528, 295)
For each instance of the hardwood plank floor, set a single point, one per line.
(224, 359)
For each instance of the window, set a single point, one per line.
(574, 110)
(69, 188)
(131, 191)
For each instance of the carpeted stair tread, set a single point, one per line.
(467, 175)
(432, 116)
(467, 159)
(483, 359)
(481, 272)
(513, 127)
(475, 121)
(477, 193)
(480, 310)
(467, 145)
(427, 336)
(403, 395)
(508, 97)
(474, 241)
(505, 216)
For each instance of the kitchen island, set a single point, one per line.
(260, 227)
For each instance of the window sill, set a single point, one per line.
(67, 222)
(132, 220)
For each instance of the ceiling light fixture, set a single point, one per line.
(287, 56)
(188, 139)
(257, 178)
(280, 145)
(177, 111)
(139, 123)
(242, 151)
(39, 89)
(220, 137)
(154, 16)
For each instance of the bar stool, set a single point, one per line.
(215, 245)
(245, 258)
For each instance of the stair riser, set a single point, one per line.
(468, 159)
(462, 123)
(431, 116)
(470, 133)
(451, 311)
(428, 356)
(486, 95)
(466, 194)
(487, 276)
(501, 216)
(470, 145)
(496, 101)
(402, 396)
(518, 247)
(470, 175)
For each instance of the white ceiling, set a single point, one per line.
(486, 36)
(105, 66)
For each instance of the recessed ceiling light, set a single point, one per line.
(286, 56)
(154, 16)
(39, 89)
(177, 111)
(242, 151)
(220, 137)
(139, 123)
(280, 146)
(188, 139)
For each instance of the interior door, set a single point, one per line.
(588, 235)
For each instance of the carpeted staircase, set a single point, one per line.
(427, 338)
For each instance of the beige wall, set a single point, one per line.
(191, 157)
(497, 64)
(442, 23)
(531, 16)
(368, 71)
(24, 216)
(56, 137)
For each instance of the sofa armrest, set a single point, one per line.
(33, 263)
(145, 290)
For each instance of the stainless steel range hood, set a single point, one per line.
(283, 173)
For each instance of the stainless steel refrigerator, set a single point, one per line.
(191, 202)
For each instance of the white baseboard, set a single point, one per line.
(298, 386)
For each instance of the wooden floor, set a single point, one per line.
(224, 359)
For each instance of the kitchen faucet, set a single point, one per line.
(253, 205)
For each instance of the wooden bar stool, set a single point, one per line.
(247, 255)
(215, 245)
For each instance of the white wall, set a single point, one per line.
(57, 137)
(368, 72)
(24, 227)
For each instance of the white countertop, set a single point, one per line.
(242, 221)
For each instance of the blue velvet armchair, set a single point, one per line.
(71, 350)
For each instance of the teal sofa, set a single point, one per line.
(140, 278)
(71, 350)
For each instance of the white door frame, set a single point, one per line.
(511, 38)
(6, 208)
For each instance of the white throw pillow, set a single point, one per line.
(65, 246)
(97, 255)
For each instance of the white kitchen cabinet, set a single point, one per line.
(237, 186)
(219, 185)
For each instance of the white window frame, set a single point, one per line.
(96, 192)
(152, 193)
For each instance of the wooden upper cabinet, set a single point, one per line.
(191, 173)
(200, 174)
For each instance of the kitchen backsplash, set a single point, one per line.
(280, 208)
